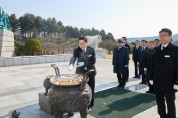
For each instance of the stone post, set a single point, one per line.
(6, 43)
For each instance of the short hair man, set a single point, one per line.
(124, 40)
(85, 56)
(142, 61)
(157, 42)
(147, 68)
(135, 57)
(120, 62)
(165, 74)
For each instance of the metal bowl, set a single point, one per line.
(67, 80)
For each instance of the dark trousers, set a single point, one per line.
(136, 68)
(91, 83)
(142, 72)
(122, 78)
(169, 96)
(151, 87)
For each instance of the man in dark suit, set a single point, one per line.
(135, 57)
(165, 74)
(142, 61)
(147, 67)
(124, 40)
(157, 42)
(85, 56)
(120, 62)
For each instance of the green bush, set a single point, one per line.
(108, 45)
(131, 47)
(19, 48)
(33, 46)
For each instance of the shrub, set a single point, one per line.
(108, 45)
(19, 48)
(131, 47)
(33, 46)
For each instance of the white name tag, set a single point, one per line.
(89, 55)
(167, 56)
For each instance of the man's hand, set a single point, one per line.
(175, 87)
(151, 82)
(70, 67)
(145, 69)
(80, 64)
(138, 63)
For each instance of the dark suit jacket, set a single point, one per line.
(88, 58)
(148, 62)
(165, 68)
(135, 55)
(127, 45)
(141, 56)
(120, 59)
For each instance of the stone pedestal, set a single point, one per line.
(100, 53)
(44, 103)
(6, 43)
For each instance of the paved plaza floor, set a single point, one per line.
(20, 85)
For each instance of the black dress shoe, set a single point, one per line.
(70, 114)
(135, 77)
(148, 92)
(119, 85)
(122, 87)
(151, 92)
(142, 83)
(146, 83)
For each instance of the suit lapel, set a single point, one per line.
(87, 50)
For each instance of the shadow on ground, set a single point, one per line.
(114, 103)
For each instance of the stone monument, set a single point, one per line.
(6, 36)
(93, 41)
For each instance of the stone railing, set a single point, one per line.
(28, 60)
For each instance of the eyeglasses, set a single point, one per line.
(160, 36)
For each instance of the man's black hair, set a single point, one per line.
(124, 37)
(166, 30)
(82, 38)
(156, 40)
(152, 42)
(144, 41)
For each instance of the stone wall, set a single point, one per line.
(6, 43)
(28, 60)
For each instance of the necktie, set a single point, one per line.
(163, 48)
(83, 51)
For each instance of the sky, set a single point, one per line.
(130, 18)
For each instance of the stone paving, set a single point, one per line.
(20, 85)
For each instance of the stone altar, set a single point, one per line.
(69, 93)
